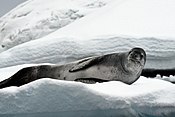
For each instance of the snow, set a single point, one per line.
(53, 97)
(135, 18)
(151, 30)
(31, 20)
(118, 26)
(63, 50)
(49, 97)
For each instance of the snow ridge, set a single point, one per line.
(72, 97)
(31, 20)
(63, 50)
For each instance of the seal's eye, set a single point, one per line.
(137, 56)
(141, 55)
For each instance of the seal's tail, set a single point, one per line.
(27, 75)
(22, 77)
(4, 83)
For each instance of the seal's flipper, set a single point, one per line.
(90, 80)
(81, 65)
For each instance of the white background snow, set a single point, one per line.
(61, 31)
(27, 21)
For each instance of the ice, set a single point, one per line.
(64, 50)
(36, 18)
(136, 18)
(146, 97)
(116, 26)
(49, 97)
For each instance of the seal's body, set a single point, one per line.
(125, 67)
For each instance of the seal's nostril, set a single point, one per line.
(137, 56)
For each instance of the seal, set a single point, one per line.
(125, 67)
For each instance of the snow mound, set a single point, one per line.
(136, 18)
(160, 52)
(36, 18)
(64, 98)
(49, 97)
(117, 27)
(171, 78)
(98, 33)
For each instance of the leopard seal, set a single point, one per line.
(125, 67)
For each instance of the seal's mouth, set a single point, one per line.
(135, 60)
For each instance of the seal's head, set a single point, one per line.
(137, 55)
(132, 64)
(135, 60)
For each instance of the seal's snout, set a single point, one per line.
(138, 56)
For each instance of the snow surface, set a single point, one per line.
(116, 27)
(135, 18)
(48, 97)
(104, 31)
(36, 18)
(160, 52)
